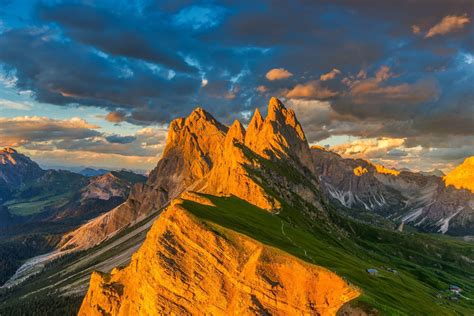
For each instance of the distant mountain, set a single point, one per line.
(37, 206)
(89, 172)
(388, 197)
(15, 170)
(434, 172)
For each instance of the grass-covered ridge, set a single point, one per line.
(426, 265)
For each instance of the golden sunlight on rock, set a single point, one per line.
(360, 171)
(462, 177)
(383, 170)
(188, 267)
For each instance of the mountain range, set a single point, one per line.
(255, 221)
(38, 206)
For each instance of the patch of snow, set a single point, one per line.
(444, 222)
(413, 215)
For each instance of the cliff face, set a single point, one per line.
(203, 155)
(462, 177)
(424, 201)
(188, 267)
(280, 135)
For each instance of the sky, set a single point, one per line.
(95, 83)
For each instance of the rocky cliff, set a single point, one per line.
(189, 267)
(203, 155)
(462, 177)
(424, 201)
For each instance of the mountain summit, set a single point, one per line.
(462, 177)
(279, 135)
(203, 155)
(15, 170)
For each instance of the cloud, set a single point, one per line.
(7, 104)
(24, 130)
(118, 139)
(415, 29)
(115, 116)
(65, 73)
(75, 134)
(310, 90)
(262, 89)
(278, 74)
(60, 157)
(114, 34)
(384, 96)
(448, 24)
(330, 75)
(369, 148)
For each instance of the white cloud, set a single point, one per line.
(7, 104)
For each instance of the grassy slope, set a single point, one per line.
(426, 265)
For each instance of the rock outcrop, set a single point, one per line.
(280, 135)
(186, 268)
(462, 177)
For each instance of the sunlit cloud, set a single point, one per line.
(115, 117)
(310, 90)
(448, 24)
(330, 75)
(278, 74)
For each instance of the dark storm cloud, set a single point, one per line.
(118, 35)
(118, 139)
(61, 73)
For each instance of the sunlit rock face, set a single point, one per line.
(203, 155)
(186, 268)
(462, 177)
(280, 135)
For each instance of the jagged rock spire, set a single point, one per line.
(236, 132)
(279, 135)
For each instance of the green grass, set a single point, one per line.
(426, 265)
(25, 207)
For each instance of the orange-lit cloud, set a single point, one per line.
(376, 89)
(115, 117)
(415, 29)
(262, 89)
(310, 90)
(330, 75)
(20, 130)
(278, 74)
(448, 24)
(369, 148)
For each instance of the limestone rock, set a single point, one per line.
(186, 268)
(280, 135)
(462, 177)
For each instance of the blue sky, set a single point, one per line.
(96, 83)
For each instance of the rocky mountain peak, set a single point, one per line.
(236, 132)
(276, 109)
(462, 177)
(279, 135)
